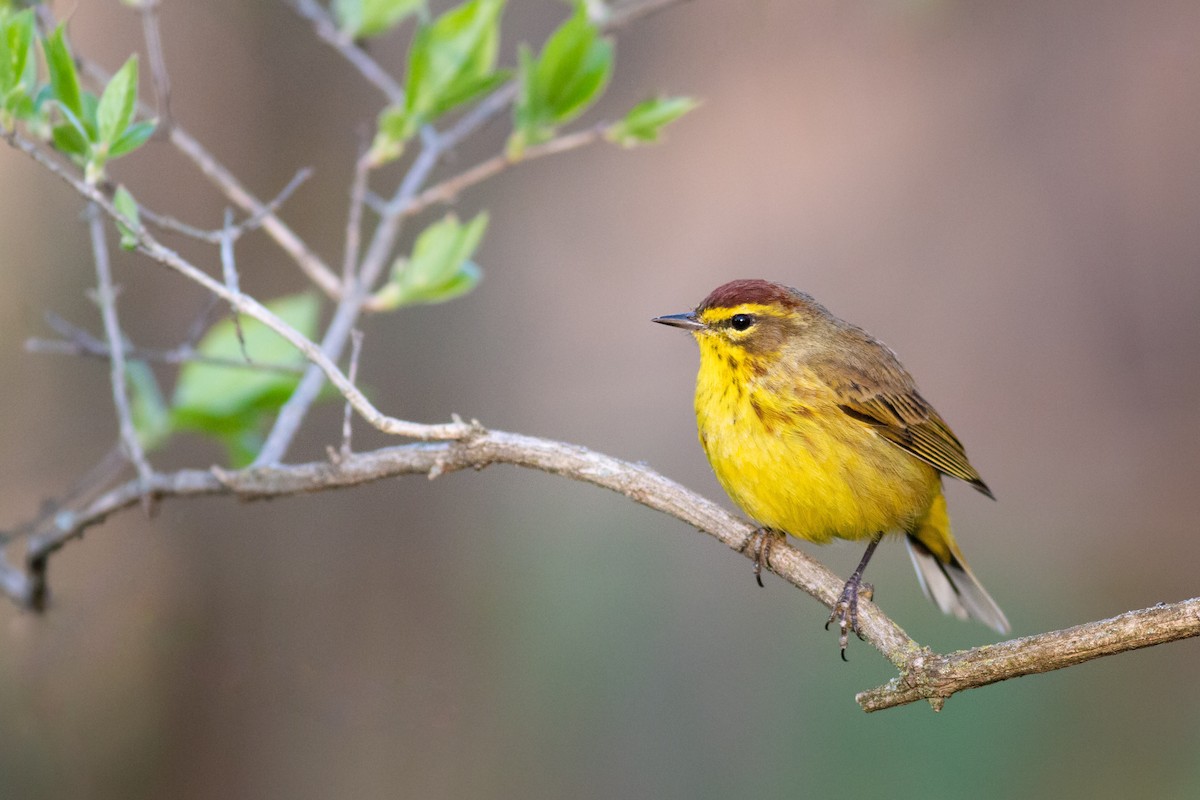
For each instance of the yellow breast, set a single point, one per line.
(794, 461)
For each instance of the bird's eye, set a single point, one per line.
(740, 322)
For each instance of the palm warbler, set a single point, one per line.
(815, 429)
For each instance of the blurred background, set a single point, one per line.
(1006, 193)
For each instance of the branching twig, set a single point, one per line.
(308, 261)
(236, 231)
(354, 293)
(229, 273)
(245, 304)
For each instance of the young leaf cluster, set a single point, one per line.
(91, 130)
(440, 268)
(451, 62)
(18, 67)
(569, 75)
(94, 129)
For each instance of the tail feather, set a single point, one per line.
(953, 587)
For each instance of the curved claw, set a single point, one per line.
(845, 611)
(761, 541)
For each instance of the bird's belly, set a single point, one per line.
(817, 475)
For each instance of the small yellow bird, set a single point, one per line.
(815, 429)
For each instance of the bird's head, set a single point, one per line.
(754, 316)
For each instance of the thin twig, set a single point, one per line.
(308, 261)
(356, 340)
(237, 231)
(107, 298)
(358, 194)
(158, 64)
(376, 75)
(229, 273)
(449, 189)
(93, 348)
(81, 343)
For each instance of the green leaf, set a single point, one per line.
(451, 61)
(134, 137)
(226, 400)
(63, 77)
(18, 65)
(440, 268)
(123, 201)
(71, 139)
(645, 121)
(151, 417)
(117, 103)
(359, 18)
(568, 76)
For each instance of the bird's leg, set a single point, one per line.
(845, 610)
(761, 542)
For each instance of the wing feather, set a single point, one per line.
(888, 401)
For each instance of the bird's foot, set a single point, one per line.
(760, 543)
(845, 610)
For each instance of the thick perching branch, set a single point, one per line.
(924, 675)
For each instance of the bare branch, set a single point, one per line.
(106, 296)
(376, 75)
(475, 451)
(933, 677)
(924, 675)
(236, 231)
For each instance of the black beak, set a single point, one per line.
(686, 321)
